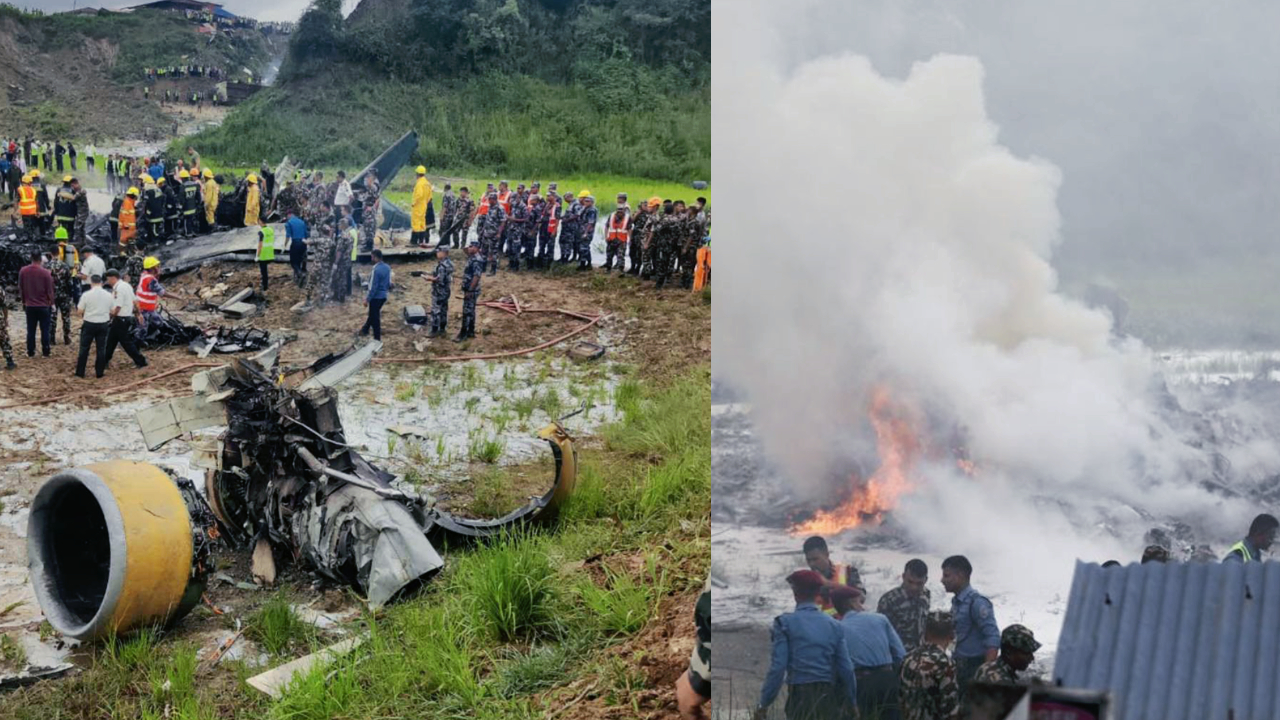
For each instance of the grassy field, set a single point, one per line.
(515, 125)
(511, 629)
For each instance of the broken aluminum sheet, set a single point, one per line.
(342, 369)
(174, 418)
(353, 527)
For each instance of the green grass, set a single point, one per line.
(549, 402)
(492, 494)
(509, 588)
(486, 449)
(279, 629)
(622, 608)
(12, 654)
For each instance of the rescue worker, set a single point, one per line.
(149, 292)
(514, 233)
(617, 232)
(345, 251)
(172, 206)
(492, 224)
(471, 285)
(529, 242)
(810, 653)
(114, 217)
(369, 208)
(128, 221)
(65, 289)
(1262, 533)
(266, 253)
(153, 209)
(927, 688)
(123, 313)
(907, 604)
(29, 209)
(441, 287)
(64, 205)
(420, 236)
(504, 196)
(1018, 648)
(320, 267)
(665, 237)
(641, 234)
(252, 203)
(448, 214)
(569, 228)
(818, 558)
(548, 228)
(191, 204)
(45, 207)
(702, 271)
(690, 241)
(210, 199)
(876, 652)
(80, 200)
(977, 635)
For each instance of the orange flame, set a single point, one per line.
(899, 445)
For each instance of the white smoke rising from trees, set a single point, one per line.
(879, 232)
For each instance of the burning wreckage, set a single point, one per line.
(121, 544)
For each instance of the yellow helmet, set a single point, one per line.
(183, 174)
(422, 169)
(655, 201)
(160, 181)
(132, 191)
(66, 178)
(35, 172)
(27, 178)
(150, 262)
(251, 178)
(583, 194)
(208, 173)
(148, 180)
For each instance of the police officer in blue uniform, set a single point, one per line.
(977, 634)
(809, 650)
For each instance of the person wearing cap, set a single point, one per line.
(149, 291)
(123, 320)
(1155, 553)
(489, 232)
(448, 214)
(1018, 648)
(370, 203)
(209, 192)
(587, 218)
(504, 196)
(927, 688)
(549, 227)
(876, 651)
(173, 201)
(1262, 534)
(641, 235)
(64, 205)
(66, 290)
(94, 308)
(191, 204)
(810, 652)
(513, 240)
(977, 634)
(127, 220)
(665, 239)
(471, 285)
(422, 191)
(29, 209)
(529, 241)
(252, 202)
(44, 207)
(570, 229)
(464, 214)
(617, 232)
(441, 280)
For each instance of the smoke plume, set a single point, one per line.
(879, 233)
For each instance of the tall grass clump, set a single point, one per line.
(509, 588)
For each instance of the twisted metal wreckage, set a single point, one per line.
(120, 544)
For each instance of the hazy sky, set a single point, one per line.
(273, 11)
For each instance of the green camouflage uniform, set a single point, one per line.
(320, 269)
(667, 233)
(1015, 637)
(927, 687)
(5, 346)
(997, 671)
(63, 297)
(700, 660)
(906, 614)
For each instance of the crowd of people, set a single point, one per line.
(907, 659)
(153, 74)
(21, 156)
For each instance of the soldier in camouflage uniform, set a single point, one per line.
(927, 688)
(287, 201)
(515, 231)
(371, 202)
(569, 228)
(693, 689)
(448, 210)
(340, 284)
(5, 346)
(489, 230)
(587, 231)
(639, 229)
(548, 226)
(82, 212)
(663, 239)
(64, 292)
(907, 604)
(463, 208)
(441, 286)
(1017, 649)
(471, 287)
(529, 242)
(688, 243)
(320, 274)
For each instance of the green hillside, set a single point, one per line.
(524, 87)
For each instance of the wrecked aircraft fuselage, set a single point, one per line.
(281, 479)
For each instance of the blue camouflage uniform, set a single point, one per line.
(809, 649)
(472, 273)
(440, 289)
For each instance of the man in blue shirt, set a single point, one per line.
(809, 649)
(156, 171)
(977, 635)
(876, 651)
(379, 284)
(296, 232)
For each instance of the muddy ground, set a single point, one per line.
(655, 336)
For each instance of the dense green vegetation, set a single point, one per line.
(522, 87)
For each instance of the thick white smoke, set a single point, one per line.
(878, 231)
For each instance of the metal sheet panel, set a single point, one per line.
(1175, 640)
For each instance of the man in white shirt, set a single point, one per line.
(342, 196)
(90, 266)
(123, 312)
(95, 310)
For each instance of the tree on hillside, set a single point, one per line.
(318, 36)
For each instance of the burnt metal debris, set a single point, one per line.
(284, 471)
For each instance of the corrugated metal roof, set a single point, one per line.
(1199, 641)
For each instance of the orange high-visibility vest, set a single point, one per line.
(840, 576)
(128, 215)
(702, 270)
(483, 207)
(617, 231)
(147, 296)
(504, 199)
(553, 218)
(27, 200)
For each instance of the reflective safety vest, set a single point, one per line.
(617, 230)
(64, 204)
(128, 215)
(839, 576)
(504, 199)
(1244, 551)
(553, 218)
(483, 207)
(355, 243)
(268, 251)
(147, 296)
(27, 200)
